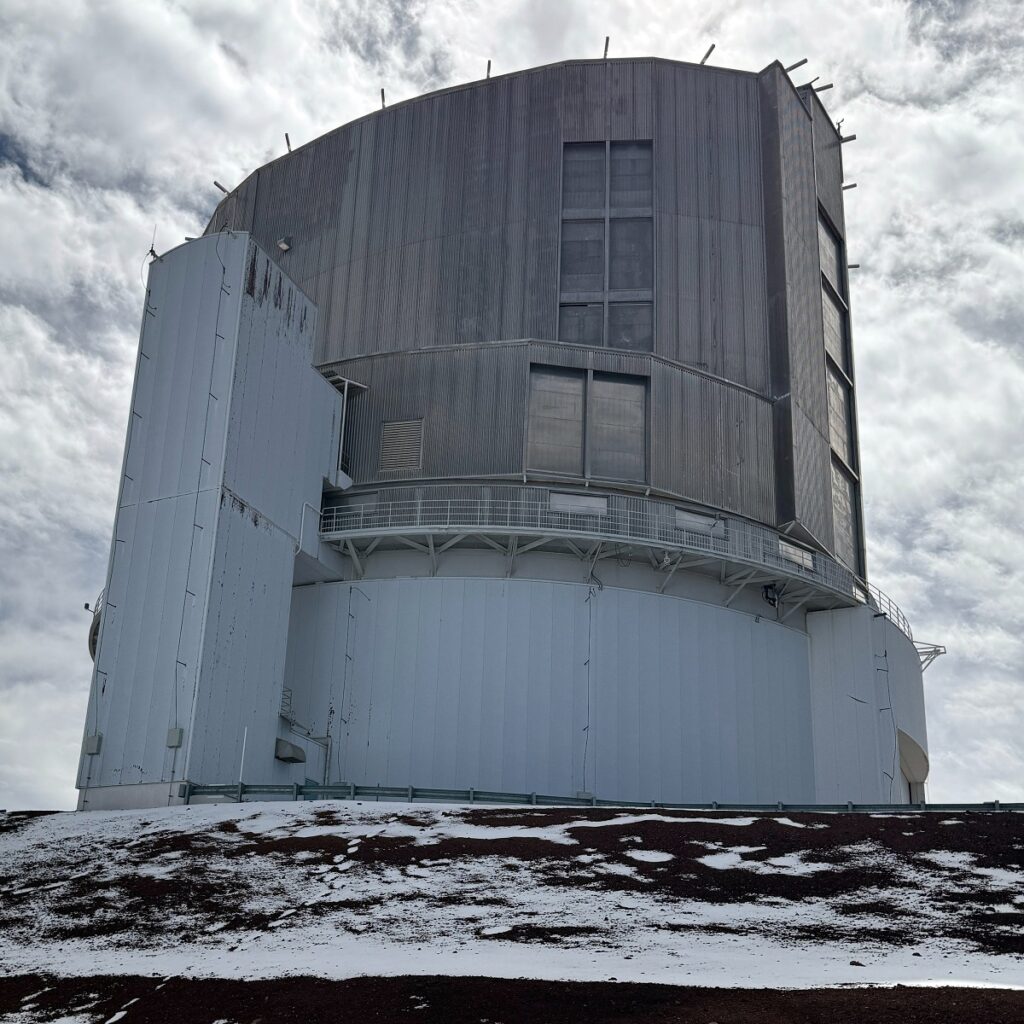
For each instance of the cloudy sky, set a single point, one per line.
(115, 117)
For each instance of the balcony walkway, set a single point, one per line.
(739, 554)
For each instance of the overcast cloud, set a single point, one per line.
(116, 117)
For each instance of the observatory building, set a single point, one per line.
(504, 441)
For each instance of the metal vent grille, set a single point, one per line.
(401, 445)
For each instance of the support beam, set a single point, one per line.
(433, 554)
(510, 568)
(682, 562)
(796, 607)
(490, 543)
(354, 555)
(747, 576)
(578, 552)
(450, 543)
(410, 543)
(740, 584)
(534, 544)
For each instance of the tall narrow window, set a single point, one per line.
(583, 177)
(617, 427)
(838, 370)
(583, 256)
(555, 439)
(834, 324)
(844, 515)
(607, 264)
(631, 261)
(839, 420)
(830, 254)
(630, 178)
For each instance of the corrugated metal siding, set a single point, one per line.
(812, 472)
(710, 297)
(436, 223)
(800, 239)
(794, 297)
(533, 686)
(472, 403)
(828, 164)
(710, 442)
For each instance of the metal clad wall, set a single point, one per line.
(828, 161)
(710, 297)
(710, 443)
(798, 352)
(853, 739)
(282, 434)
(147, 660)
(472, 403)
(436, 223)
(528, 686)
(277, 447)
(231, 435)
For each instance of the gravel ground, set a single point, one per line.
(433, 1000)
(364, 911)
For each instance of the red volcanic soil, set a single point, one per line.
(433, 1000)
(341, 911)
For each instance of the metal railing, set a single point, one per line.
(633, 520)
(413, 794)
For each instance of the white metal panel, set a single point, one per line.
(557, 688)
(857, 662)
(231, 436)
(160, 556)
(905, 690)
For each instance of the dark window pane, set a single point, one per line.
(630, 180)
(555, 440)
(830, 253)
(583, 325)
(583, 256)
(844, 513)
(617, 427)
(583, 176)
(834, 325)
(839, 416)
(630, 326)
(631, 263)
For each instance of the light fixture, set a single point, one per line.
(284, 244)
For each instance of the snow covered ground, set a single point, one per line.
(339, 889)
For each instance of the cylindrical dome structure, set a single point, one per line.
(677, 226)
(595, 525)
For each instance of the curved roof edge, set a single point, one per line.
(486, 81)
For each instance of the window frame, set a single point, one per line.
(586, 375)
(609, 213)
(846, 463)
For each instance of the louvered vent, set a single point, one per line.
(401, 445)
